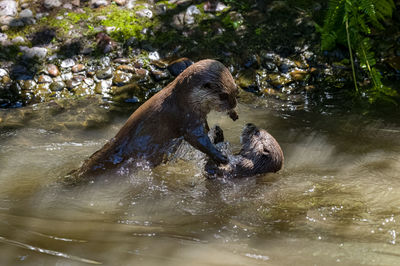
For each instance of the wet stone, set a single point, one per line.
(98, 3)
(278, 80)
(126, 68)
(178, 66)
(103, 86)
(52, 3)
(34, 52)
(8, 8)
(57, 86)
(45, 79)
(121, 78)
(82, 91)
(75, 81)
(6, 80)
(42, 90)
(18, 39)
(89, 81)
(3, 72)
(141, 74)
(67, 63)
(122, 60)
(104, 73)
(298, 74)
(78, 68)
(159, 74)
(120, 2)
(53, 70)
(66, 76)
(144, 13)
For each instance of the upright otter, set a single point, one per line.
(177, 111)
(260, 154)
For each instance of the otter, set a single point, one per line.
(260, 154)
(179, 111)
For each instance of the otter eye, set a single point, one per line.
(223, 96)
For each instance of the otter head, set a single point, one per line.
(261, 149)
(211, 87)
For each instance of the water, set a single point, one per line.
(336, 202)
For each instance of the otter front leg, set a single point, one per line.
(197, 136)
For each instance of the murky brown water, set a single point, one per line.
(337, 201)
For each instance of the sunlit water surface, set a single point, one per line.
(336, 202)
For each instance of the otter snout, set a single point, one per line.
(233, 115)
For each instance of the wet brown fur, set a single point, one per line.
(177, 111)
(260, 154)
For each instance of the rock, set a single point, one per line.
(121, 78)
(57, 86)
(154, 56)
(76, 2)
(78, 68)
(18, 39)
(8, 8)
(104, 43)
(53, 70)
(16, 23)
(26, 16)
(252, 61)
(98, 3)
(126, 68)
(3, 38)
(28, 85)
(74, 82)
(144, 13)
(81, 90)
(42, 91)
(45, 79)
(130, 4)
(278, 80)
(34, 52)
(104, 73)
(176, 67)
(103, 86)
(213, 6)
(6, 80)
(159, 75)
(88, 81)
(49, 4)
(67, 63)
(298, 74)
(160, 9)
(141, 74)
(66, 76)
(247, 80)
(3, 72)
(122, 60)
(120, 2)
(67, 6)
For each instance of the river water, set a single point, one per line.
(336, 202)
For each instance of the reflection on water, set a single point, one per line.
(336, 202)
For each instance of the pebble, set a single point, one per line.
(53, 70)
(120, 2)
(98, 3)
(121, 78)
(144, 13)
(154, 56)
(3, 72)
(78, 68)
(57, 86)
(45, 79)
(104, 73)
(52, 3)
(66, 76)
(8, 8)
(67, 63)
(103, 86)
(34, 52)
(126, 68)
(28, 85)
(18, 39)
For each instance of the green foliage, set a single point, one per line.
(126, 23)
(361, 17)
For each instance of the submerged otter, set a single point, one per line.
(260, 154)
(176, 112)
